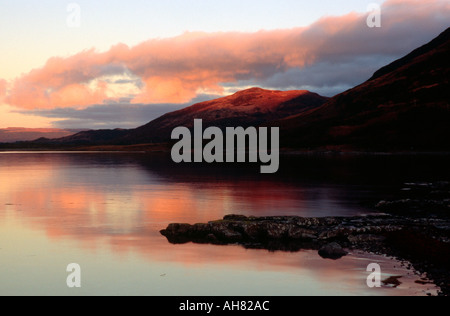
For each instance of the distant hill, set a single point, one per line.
(250, 107)
(404, 106)
(92, 137)
(17, 134)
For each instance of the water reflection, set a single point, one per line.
(121, 201)
(89, 195)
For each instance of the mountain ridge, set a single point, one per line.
(404, 106)
(17, 134)
(249, 107)
(435, 43)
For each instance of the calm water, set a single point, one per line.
(104, 212)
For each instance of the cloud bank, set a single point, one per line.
(329, 56)
(110, 116)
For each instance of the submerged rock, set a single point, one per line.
(392, 281)
(332, 251)
(420, 199)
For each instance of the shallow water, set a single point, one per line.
(104, 212)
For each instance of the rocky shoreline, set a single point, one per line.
(422, 241)
(415, 228)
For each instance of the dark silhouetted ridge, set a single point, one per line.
(405, 106)
(438, 41)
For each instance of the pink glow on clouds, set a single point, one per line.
(174, 70)
(3, 84)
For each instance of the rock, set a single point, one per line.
(251, 230)
(211, 238)
(275, 230)
(398, 205)
(370, 233)
(234, 217)
(230, 235)
(365, 238)
(298, 233)
(332, 251)
(423, 282)
(392, 281)
(225, 231)
(176, 229)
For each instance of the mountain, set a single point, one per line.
(249, 107)
(404, 106)
(18, 134)
(91, 137)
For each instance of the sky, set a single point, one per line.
(119, 64)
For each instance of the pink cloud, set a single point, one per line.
(173, 70)
(3, 84)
